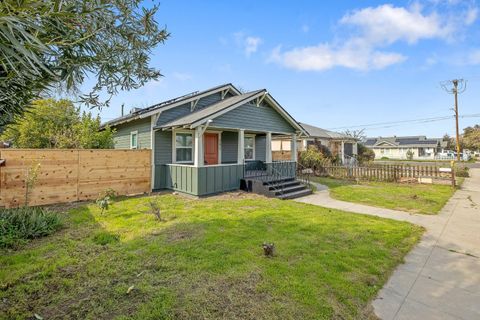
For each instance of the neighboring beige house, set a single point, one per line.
(339, 144)
(398, 147)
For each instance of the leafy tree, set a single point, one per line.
(57, 124)
(364, 154)
(56, 44)
(471, 138)
(450, 141)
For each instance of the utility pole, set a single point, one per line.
(457, 86)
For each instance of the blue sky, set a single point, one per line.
(332, 64)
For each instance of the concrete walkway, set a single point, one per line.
(440, 278)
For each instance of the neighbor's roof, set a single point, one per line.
(317, 132)
(408, 141)
(211, 111)
(139, 113)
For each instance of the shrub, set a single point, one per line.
(384, 158)
(104, 238)
(365, 154)
(105, 198)
(313, 158)
(21, 224)
(409, 154)
(462, 172)
(154, 208)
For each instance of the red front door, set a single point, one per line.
(210, 148)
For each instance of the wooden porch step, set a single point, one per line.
(296, 194)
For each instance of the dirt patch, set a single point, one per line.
(236, 195)
(182, 232)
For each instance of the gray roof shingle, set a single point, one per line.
(408, 141)
(317, 132)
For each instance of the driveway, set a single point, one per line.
(440, 278)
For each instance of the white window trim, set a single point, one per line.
(249, 135)
(131, 134)
(174, 145)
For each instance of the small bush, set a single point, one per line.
(462, 172)
(104, 238)
(105, 198)
(154, 208)
(21, 224)
(384, 158)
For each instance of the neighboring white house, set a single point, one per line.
(399, 147)
(339, 144)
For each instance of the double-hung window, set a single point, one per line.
(184, 147)
(134, 140)
(249, 146)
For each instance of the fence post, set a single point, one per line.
(452, 165)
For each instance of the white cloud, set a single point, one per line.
(386, 24)
(324, 56)
(369, 31)
(249, 44)
(474, 57)
(182, 76)
(471, 16)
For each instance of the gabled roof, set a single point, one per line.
(402, 142)
(171, 103)
(316, 132)
(210, 112)
(203, 115)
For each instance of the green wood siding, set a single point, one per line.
(229, 147)
(251, 117)
(163, 147)
(198, 181)
(122, 136)
(185, 109)
(260, 147)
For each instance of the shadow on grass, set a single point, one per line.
(208, 261)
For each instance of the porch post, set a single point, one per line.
(268, 141)
(343, 152)
(198, 148)
(241, 146)
(293, 149)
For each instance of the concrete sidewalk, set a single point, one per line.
(440, 278)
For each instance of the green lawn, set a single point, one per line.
(415, 198)
(204, 261)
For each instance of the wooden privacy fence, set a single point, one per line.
(71, 175)
(386, 172)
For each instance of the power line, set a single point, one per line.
(391, 124)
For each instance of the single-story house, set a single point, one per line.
(208, 142)
(339, 144)
(399, 147)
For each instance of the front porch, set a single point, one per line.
(210, 160)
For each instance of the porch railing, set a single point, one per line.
(265, 171)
